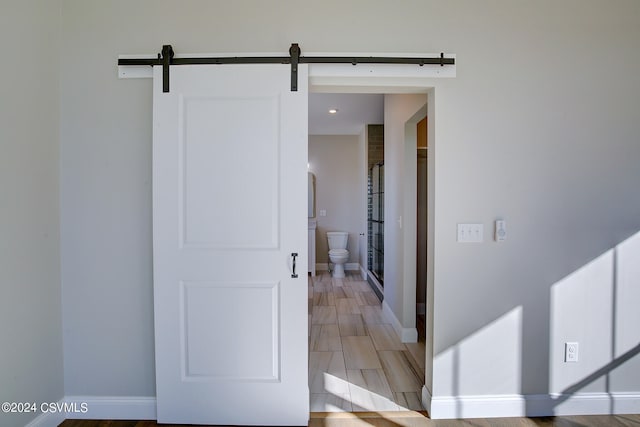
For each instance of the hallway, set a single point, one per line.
(356, 360)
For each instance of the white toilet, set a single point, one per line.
(338, 253)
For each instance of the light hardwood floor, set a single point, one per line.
(412, 419)
(356, 360)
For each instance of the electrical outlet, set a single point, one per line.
(571, 352)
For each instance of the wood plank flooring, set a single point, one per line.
(411, 419)
(356, 360)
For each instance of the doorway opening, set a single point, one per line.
(364, 355)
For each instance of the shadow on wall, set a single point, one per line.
(597, 306)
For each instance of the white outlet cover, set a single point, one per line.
(571, 351)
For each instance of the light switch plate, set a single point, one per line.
(500, 230)
(470, 233)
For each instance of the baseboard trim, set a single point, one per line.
(350, 266)
(447, 407)
(583, 404)
(48, 419)
(426, 399)
(492, 406)
(438, 407)
(114, 408)
(363, 272)
(376, 287)
(405, 334)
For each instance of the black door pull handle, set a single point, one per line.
(294, 255)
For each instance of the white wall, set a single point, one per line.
(105, 181)
(337, 164)
(539, 127)
(400, 205)
(549, 149)
(30, 306)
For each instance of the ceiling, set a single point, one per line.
(354, 111)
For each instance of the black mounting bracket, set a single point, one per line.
(294, 52)
(166, 60)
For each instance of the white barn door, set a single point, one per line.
(229, 209)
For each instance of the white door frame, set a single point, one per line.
(410, 218)
(399, 84)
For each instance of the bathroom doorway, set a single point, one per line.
(338, 139)
(356, 341)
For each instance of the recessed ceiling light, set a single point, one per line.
(333, 110)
